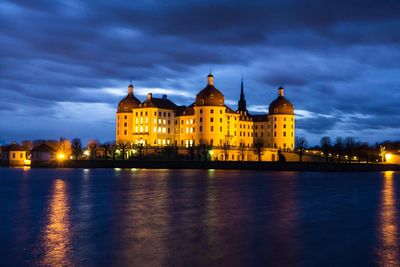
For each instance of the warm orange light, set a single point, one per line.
(388, 157)
(60, 156)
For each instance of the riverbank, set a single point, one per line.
(224, 165)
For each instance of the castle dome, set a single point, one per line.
(281, 105)
(129, 102)
(210, 96)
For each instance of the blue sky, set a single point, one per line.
(65, 64)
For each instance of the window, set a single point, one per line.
(211, 119)
(169, 130)
(220, 128)
(220, 119)
(275, 134)
(211, 111)
(125, 117)
(201, 119)
(220, 112)
(164, 114)
(155, 114)
(211, 96)
(125, 124)
(159, 114)
(284, 119)
(201, 111)
(284, 126)
(274, 119)
(141, 113)
(146, 113)
(169, 115)
(284, 133)
(200, 128)
(137, 114)
(125, 132)
(212, 128)
(274, 126)
(202, 102)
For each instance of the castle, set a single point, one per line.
(232, 135)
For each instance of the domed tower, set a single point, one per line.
(124, 115)
(210, 114)
(281, 122)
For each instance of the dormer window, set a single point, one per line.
(220, 102)
(276, 110)
(202, 102)
(211, 96)
(125, 109)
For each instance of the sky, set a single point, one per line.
(64, 65)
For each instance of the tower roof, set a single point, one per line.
(281, 105)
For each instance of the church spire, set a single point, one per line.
(242, 102)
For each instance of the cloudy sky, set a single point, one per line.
(64, 65)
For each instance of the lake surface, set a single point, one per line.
(105, 217)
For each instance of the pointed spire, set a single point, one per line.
(241, 89)
(242, 102)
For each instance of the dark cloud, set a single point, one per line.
(339, 60)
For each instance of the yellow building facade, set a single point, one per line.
(230, 134)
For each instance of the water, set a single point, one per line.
(197, 218)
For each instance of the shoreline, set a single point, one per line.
(221, 165)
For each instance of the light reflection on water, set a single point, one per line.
(56, 235)
(388, 250)
(197, 218)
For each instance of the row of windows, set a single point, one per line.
(164, 114)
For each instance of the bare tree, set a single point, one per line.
(123, 146)
(242, 151)
(64, 146)
(301, 146)
(349, 145)
(107, 148)
(76, 147)
(258, 148)
(339, 147)
(326, 146)
(92, 147)
(226, 148)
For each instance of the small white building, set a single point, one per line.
(14, 155)
(43, 153)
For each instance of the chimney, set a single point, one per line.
(149, 96)
(164, 97)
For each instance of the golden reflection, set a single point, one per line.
(56, 239)
(388, 228)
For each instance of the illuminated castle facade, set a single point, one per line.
(158, 122)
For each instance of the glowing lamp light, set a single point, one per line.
(60, 156)
(211, 152)
(388, 157)
(86, 153)
(27, 162)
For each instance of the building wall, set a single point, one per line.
(123, 129)
(15, 158)
(282, 131)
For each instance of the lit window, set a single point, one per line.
(164, 130)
